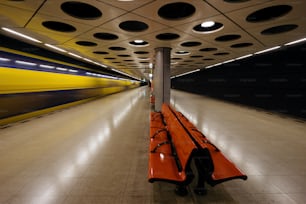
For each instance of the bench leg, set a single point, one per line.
(181, 190)
(202, 175)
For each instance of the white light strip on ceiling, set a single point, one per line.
(20, 34)
(214, 65)
(245, 56)
(188, 73)
(228, 61)
(55, 48)
(267, 50)
(74, 55)
(296, 41)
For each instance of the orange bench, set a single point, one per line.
(222, 169)
(170, 157)
(174, 142)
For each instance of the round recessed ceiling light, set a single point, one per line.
(182, 53)
(208, 27)
(140, 43)
(207, 24)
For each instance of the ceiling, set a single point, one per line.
(105, 31)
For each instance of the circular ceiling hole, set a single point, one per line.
(208, 49)
(123, 55)
(141, 52)
(230, 37)
(86, 43)
(241, 45)
(279, 29)
(176, 11)
(182, 53)
(139, 43)
(176, 58)
(208, 59)
(81, 10)
(236, 1)
(59, 26)
(215, 26)
(268, 13)
(167, 36)
(109, 58)
(100, 52)
(221, 53)
(191, 44)
(133, 26)
(117, 48)
(196, 56)
(106, 36)
(188, 60)
(144, 62)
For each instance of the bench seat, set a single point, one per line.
(223, 168)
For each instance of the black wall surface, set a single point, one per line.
(274, 81)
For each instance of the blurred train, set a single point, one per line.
(32, 85)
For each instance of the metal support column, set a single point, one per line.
(162, 77)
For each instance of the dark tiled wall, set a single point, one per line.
(273, 81)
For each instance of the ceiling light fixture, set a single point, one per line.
(46, 66)
(207, 24)
(20, 34)
(267, 50)
(296, 41)
(25, 63)
(188, 73)
(74, 55)
(245, 56)
(4, 59)
(55, 48)
(138, 41)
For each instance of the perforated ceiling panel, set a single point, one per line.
(124, 34)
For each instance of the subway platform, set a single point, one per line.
(98, 153)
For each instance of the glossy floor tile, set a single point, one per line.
(98, 153)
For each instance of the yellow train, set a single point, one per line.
(33, 85)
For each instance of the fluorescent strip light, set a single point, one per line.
(25, 63)
(61, 69)
(55, 48)
(228, 61)
(72, 70)
(245, 56)
(4, 59)
(20, 34)
(46, 66)
(88, 60)
(296, 41)
(188, 73)
(214, 65)
(74, 55)
(267, 50)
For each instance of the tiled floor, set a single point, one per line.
(98, 153)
